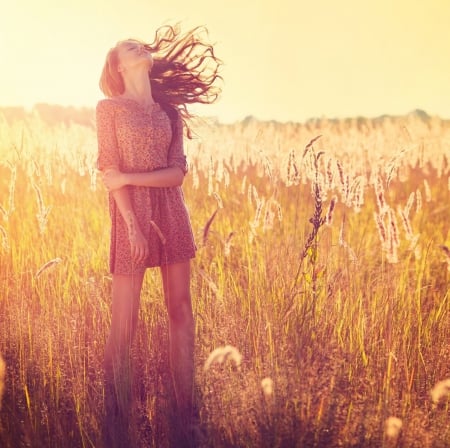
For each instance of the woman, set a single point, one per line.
(140, 153)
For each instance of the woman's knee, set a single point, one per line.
(180, 309)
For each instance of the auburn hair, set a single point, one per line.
(185, 69)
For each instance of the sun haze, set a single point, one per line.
(284, 60)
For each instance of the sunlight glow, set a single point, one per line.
(284, 60)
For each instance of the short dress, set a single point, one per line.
(136, 139)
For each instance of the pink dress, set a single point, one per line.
(138, 140)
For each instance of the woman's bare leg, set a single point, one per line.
(176, 282)
(126, 292)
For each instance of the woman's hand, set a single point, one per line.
(113, 179)
(138, 244)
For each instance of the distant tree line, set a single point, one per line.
(56, 114)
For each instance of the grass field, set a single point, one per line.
(337, 317)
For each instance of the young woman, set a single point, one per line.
(140, 153)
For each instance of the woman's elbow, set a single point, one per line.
(179, 177)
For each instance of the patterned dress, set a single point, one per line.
(136, 139)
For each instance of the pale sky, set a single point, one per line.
(284, 59)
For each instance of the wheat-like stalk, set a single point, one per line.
(158, 232)
(379, 194)
(254, 224)
(393, 227)
(418, 201)
(218, 200)
(317, 221)
(47, 266)
(427, 189)
(330, 173)
(293, 173)
(5, 239)
(392, 166)
(208, 226)
(329, 214)
(4, 213)
(409, 204)
(43, 211)
(131, 226)
(227, 245)
(406, 223)
(341, 174)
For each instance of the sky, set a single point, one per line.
(285, 60)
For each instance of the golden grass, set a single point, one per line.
(341, 330)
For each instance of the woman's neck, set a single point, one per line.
(138, 88)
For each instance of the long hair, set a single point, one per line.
(185, 69)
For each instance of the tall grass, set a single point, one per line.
(322, 269)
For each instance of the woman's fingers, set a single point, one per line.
(139, 252)
(110, 179)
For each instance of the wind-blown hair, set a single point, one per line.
(185, 69)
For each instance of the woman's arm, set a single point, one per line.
(138, 243)
(165, 177)
(109, 160)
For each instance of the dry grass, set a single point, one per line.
(341, 330)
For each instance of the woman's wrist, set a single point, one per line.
(132, 225)
(125, 178)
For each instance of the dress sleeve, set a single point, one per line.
(108, 150)
(176, 156)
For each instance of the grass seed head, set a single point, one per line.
(440, 391)
(221, 354)
(392, 427)
(267, 387)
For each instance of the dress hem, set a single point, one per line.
(142, 269)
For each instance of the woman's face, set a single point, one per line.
(132, 54)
